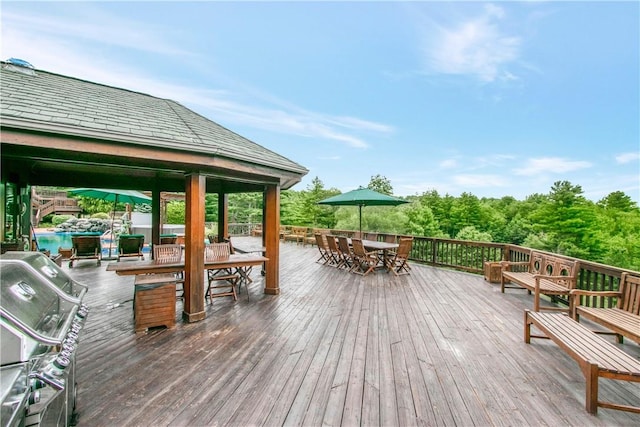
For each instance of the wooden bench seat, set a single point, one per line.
(297, 234)
(596, 356)
(543, 274)
(623, 319)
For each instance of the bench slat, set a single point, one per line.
(527, 280)
(587, 345)
(617, 320)
(596, 356)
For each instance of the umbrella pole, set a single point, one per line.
(360, 215)
(113, 217)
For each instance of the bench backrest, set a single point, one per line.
(630, 289)
(299, 231)
(549, 265)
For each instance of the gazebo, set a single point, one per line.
(62, 131)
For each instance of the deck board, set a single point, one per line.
(436, 347)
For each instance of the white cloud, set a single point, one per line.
(448, 164)
(550, 165)
(627, 157)
(476, 47)
(73, 45)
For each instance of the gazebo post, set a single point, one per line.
(223, 215)
(193, 310)
(156, 218)
(271, 236)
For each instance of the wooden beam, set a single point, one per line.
(271, 236)
(194, 249)
(149, 155)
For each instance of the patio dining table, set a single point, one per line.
(382, 248)
(235, 261)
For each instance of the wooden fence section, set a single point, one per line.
(470, 256)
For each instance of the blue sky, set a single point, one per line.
(494, 99)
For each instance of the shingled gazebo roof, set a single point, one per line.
(77, 118)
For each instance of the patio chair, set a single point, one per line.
(390, 238)
(321, 243)
(345, 251)
(398, 261)
(363, 262)
(85, 247)
(334, 253)
(130, 245)
(244, 272)
(222, 279)
(168, 254)
(370, 236)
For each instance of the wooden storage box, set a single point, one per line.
(154, 303)
(492, 271)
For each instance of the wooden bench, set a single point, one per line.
(298, 235)
(596, 356)
(542, 274)
(623, 319)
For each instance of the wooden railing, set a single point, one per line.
(470, 256)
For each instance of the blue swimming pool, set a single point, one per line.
(53, 241)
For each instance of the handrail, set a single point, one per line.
(470, 256)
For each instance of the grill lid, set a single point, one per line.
(49, 270)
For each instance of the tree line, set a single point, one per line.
(562, 221)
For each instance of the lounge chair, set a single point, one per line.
(130, 245)
(168, 239)
(85, 247)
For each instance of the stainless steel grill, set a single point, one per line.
(41, 318)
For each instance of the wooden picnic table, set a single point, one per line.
(132, 268)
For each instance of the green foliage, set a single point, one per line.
(562, 221)
(472, 234)
(380, 184)
(175, 212)
(100, 215)
(302, 208)
(59, 219)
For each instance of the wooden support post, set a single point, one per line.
(223, 216)
(194, 249)
(156, 217)
(271, 236)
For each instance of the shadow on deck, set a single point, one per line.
(437, 347)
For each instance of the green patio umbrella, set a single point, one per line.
(132, 197)
(362, 197)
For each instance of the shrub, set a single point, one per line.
(59, 219)
(100, 215)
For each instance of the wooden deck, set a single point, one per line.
(437, 347)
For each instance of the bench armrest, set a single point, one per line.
(581, 292)
(575, 294)
(506, 264)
